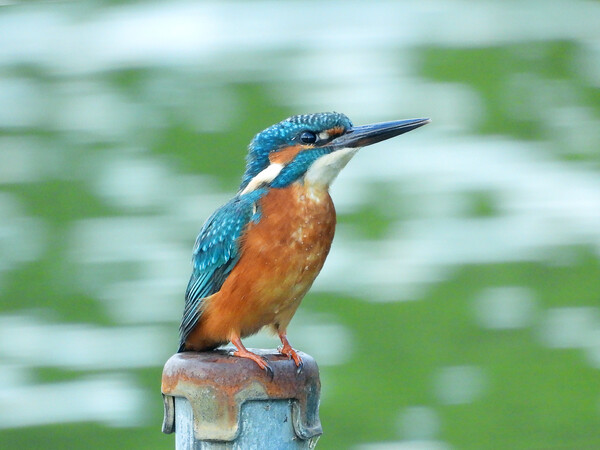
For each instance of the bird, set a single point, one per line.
(257, 256)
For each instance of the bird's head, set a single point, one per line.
(312, 146)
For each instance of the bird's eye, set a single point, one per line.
(308, 137)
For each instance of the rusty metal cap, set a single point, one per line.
(217, 384)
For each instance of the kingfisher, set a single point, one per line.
(258, 255)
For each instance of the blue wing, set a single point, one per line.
(216, 253)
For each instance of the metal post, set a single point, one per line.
(216, 401)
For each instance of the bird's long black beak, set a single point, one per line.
(371, 134)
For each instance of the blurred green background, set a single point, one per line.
(459, 307)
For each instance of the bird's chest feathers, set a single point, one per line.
(293, 237)
(298, 218)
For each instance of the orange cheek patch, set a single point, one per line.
(286, 155)
(335, 131)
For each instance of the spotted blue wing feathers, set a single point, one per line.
(216, 252)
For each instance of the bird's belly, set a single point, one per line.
(281, 256)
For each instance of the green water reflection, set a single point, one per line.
(460, 304)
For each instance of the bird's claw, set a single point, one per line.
(292, 354)
(266, 366)
(261, 361)
(269, 371)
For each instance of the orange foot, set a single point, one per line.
(287, 350)
(243, 352)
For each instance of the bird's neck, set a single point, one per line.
(319, 175)
(262, 178)
(299, 202)
(325, 169)
(316, 193)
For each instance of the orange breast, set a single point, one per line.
(281, 257)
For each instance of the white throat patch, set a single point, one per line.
(264, 177)
(324, 170)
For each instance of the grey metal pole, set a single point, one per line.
(216, 401)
